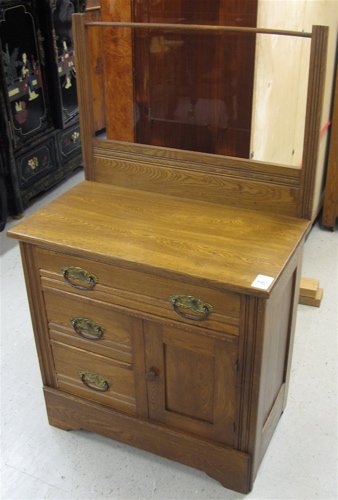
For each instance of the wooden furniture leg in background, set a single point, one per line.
(330, 210)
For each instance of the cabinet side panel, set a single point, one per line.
(277, 333)
(38, 315)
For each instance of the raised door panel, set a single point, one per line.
(68, 143)
(191, 381)
(36, 163)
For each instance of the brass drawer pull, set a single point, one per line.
(100, 384)
(93, 330)
(79, 274)
(195, 305)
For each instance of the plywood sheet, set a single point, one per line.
(279, 95)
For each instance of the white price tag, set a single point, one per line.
(262, 282)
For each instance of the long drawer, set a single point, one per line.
(140, 291)
(94, 377)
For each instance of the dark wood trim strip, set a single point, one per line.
(199, 27)
(84, 90)
(314, 107)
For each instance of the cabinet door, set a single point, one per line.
(191, 380)
(61, 58)
(22, 70)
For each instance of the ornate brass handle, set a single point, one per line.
(79, 274)
(193, 304)
(100, 384)
(94, 330)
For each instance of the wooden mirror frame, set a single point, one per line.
(219, 179)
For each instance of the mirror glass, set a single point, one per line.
(228, 93)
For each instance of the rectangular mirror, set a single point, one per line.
(170, 108)
(237, 94)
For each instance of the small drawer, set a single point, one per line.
(83, 324)
(69, 141)
(94, 377)
(149, 294)
(36, 163)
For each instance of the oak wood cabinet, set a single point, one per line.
(150, 327)
(163, 291)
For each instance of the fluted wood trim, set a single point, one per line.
(38, 315)
(314, 108)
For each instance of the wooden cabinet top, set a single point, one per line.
(220, 246)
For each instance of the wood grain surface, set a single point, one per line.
(200, 176)
(230, 467)
(175, 237)
(141, 292)
(330, 209)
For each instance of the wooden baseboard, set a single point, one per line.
(228, 466)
